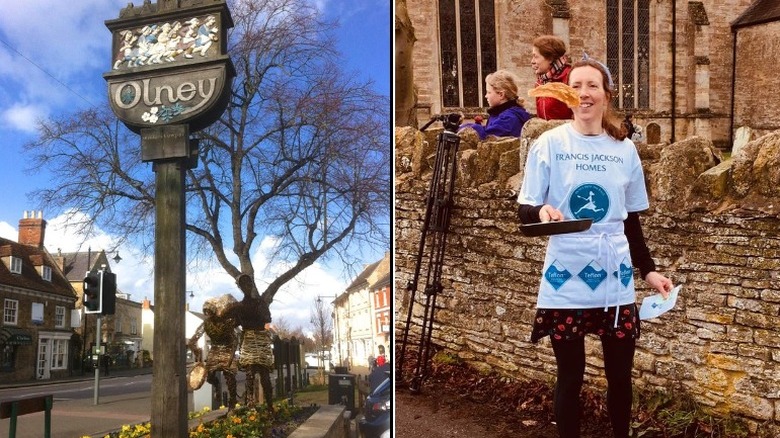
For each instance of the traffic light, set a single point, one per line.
(92, 292)
(100, 293)
(108, 293)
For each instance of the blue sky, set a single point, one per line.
(52, 57)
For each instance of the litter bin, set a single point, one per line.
(340, 370)
(341, 388)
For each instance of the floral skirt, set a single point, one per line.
(569, 324)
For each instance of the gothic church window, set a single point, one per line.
(467, 34)
(628, 52)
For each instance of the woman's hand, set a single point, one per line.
(549, 213)
(660, 283)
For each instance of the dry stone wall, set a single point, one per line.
(712, 227)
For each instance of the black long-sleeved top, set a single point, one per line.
(632, 228)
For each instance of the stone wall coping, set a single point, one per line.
(327, 422)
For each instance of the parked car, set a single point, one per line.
(312, 360)
(377, 411)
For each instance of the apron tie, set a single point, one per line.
(608, 255)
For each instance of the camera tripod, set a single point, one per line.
(433, 240)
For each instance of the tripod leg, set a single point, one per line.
(442, 162)
(438, 221)
(432, 290)
(412, 284)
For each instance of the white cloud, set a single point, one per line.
(320, 4)
(23, 117)
(54, 52)
(8, 231)
(294, 301)
(134, 273)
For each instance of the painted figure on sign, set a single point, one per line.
(207, 34)
(157, 44)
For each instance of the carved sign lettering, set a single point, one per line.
(157, 100)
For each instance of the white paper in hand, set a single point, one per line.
(655, 305)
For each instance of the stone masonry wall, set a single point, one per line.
(757, 109)
(712, 227)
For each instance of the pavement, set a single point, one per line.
(74, 418)
(80, 418)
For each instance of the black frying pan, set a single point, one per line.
(556, 227)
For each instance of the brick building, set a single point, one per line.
(683, 68)
(121, 332)
(361, 316)
(36, 335)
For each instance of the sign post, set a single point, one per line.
(96, 395)
(170, 76)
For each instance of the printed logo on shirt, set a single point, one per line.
(593, 275)
(557, 274)
(626, 273)
(589, 201)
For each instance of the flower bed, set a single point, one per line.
(241, 422)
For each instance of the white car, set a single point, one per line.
(312, 360)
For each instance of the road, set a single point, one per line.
(82, 389)
(124, 399)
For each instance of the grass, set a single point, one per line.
(312, 394)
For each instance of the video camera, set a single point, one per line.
(451, 121)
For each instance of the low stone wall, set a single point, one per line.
(712, 227)
(327, 422)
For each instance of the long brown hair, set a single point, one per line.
(610, 122)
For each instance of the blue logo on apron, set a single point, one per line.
(593, 275)
(626, 273)
(556, 274)
(589, 201)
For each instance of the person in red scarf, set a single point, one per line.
(550, 64)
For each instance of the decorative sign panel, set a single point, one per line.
(170, 65)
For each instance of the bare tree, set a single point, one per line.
(300, 156)
(285, 330)
(322, 325)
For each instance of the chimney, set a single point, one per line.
(146, 304)
(32, 229)
(60, 260)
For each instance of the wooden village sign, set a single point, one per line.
(170, 75)
(169, 67)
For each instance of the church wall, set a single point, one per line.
(703, 60)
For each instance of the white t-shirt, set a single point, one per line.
(594, 177)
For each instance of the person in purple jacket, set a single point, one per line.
(506, 115)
